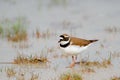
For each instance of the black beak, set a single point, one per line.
(59, 41)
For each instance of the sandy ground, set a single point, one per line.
(87, 19)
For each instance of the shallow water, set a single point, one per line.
(84, 19)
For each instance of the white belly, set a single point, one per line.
(74, 50)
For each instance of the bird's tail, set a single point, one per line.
(93, 40)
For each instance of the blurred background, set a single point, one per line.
(89, 19)
(32, 27)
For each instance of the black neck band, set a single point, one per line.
(65, 45)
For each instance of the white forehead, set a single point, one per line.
(61, 37)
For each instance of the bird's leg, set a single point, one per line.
(76, 60)
(76, 57)
(73, 62)
(73, 58)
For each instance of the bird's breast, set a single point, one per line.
(73, 49)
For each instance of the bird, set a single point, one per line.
(73, 46)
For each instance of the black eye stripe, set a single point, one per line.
(62, 36)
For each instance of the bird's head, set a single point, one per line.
(64, 39)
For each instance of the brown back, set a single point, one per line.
(81, 42)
